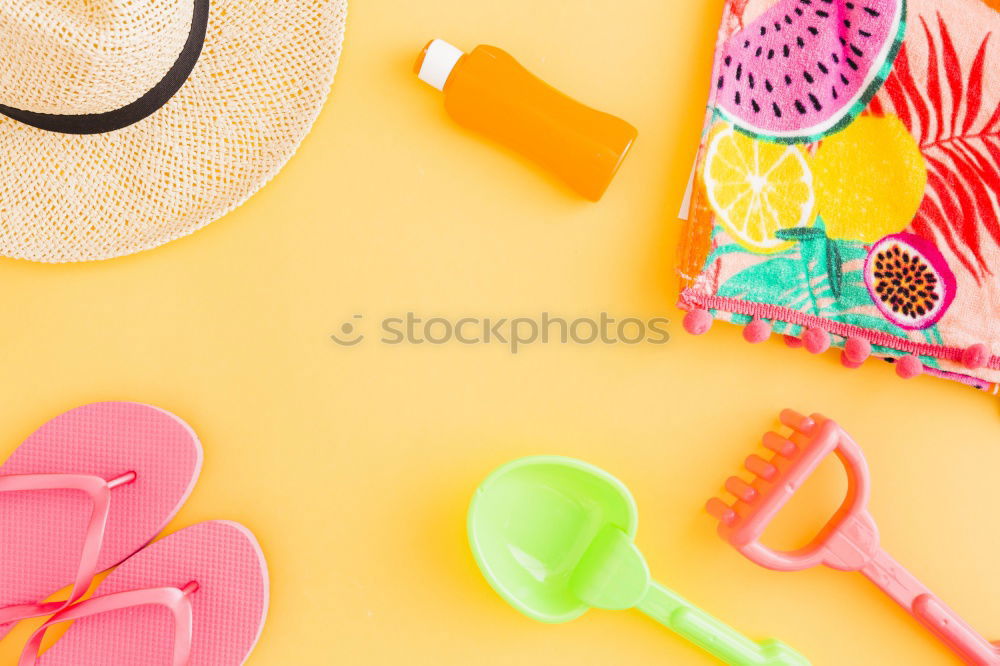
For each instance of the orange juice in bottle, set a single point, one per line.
(489, 91)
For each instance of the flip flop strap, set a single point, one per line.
(99, 492)
(176, 600)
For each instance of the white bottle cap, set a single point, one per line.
(439, 60)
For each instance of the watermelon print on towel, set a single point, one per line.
(848, 183)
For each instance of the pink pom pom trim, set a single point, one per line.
(976, 356)
(817, 340)
(757, 331)
(698, 322)
(909, 367)
(846, 361)
(857, 350)
(793, 341)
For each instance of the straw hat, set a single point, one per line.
(129, 123)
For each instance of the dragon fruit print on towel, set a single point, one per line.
(847, 191)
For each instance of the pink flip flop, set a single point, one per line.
(84, 492)
(195, 598)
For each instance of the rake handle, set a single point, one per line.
(930, 611)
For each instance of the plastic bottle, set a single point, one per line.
(489, 91)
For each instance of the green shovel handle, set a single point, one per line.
(713, 636)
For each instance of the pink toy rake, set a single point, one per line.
(849, 542)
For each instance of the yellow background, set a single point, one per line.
(354, 466)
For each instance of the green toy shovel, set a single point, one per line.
(554, 537)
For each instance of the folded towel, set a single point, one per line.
(847, 190)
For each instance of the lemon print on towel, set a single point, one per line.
(757, 188)
(870, 179)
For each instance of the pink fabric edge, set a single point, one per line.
(691, 299)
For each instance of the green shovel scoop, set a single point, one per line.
(554, 537)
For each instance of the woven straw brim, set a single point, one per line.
(263, 76)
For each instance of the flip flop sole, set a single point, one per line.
(229, 607)
(42, 532)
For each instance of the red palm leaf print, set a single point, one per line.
(959, 136)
